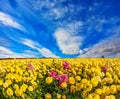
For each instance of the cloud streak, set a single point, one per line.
(7, 53)
(34, 45)
(9, 21)
(108, 47)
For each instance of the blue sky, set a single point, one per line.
(59, 28)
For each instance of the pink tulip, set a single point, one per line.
(66, 66)
(54, 75)
(104, 68)
(63, 78)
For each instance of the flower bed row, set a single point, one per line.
(97, 78)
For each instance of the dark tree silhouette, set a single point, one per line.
(102, 56)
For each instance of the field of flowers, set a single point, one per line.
(78, 78)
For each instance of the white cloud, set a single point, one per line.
(41, 4)
(81, 51)
(4, 50)
(29, 53)
(85, 49)
(4, 42)
(68, 42)
(30, 43)
(68, 37)
(9, 21)
(74, 27)
(56, 12)
(109, 47)
(43, 51)
(117, 55)
(96, 23)
(53, 9)
(46, 52)
(6, 53)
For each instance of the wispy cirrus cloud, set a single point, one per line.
(46, 52)
(9, 21)
(108, 47)
(34, 45)
(52, 9)
(4, 42)
(30, 43)
(105, 48)
(7, 53)
(117, 55)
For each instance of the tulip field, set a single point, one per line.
(60, 78)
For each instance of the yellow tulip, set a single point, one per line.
(30, 88)
(98, 91)
(113, 89)
(72, 88)
(63, 85)
(77, 78)
(1, 82)
(49, 80)
(110, 97)
(58, 96)
(48, 96)
(71, 80)
(64, 97)
(9, 92)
